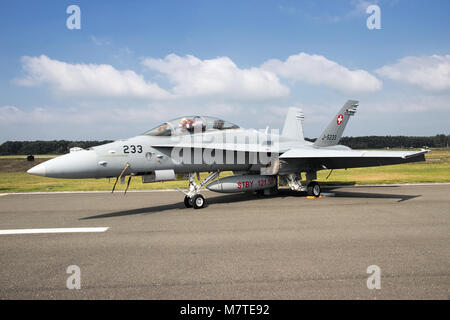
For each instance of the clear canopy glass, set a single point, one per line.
(189, 125)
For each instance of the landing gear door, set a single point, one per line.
(271, 168)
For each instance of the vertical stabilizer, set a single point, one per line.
(293, 127)
(333, 133)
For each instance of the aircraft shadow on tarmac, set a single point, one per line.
(178, 205)
(230, 198)
(336, 193)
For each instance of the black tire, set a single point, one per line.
(198, 201)
(187, 202)
(314, 189)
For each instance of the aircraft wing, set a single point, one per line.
(341, 159)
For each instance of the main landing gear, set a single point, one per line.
(193, 198)
(294, 181)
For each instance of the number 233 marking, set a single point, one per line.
(132, 149)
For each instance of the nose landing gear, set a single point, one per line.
(193, 198)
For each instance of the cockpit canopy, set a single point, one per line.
(189, 125)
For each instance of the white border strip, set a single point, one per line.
(87, 192)
(52, 230)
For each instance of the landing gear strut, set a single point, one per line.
(193, 198)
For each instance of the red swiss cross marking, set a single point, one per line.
(339, 119)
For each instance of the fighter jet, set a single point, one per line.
(260, 160)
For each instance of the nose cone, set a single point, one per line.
(76, 165)
(38, 170)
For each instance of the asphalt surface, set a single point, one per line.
(239, 247)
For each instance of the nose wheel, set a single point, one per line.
(198, 201)
(187, 202)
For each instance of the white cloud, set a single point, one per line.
(410, 104)
(99, 41)
(353, 9)
(218, 78)
(11, 115)
(8, 114)
(318, 70)
(147, 114)
(87, 79)
(359, 7)
(194, 77)
(428, 72)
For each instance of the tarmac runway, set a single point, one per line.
(239, 247)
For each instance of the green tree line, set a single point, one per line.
(44, 147)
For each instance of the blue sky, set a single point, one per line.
(134, 64)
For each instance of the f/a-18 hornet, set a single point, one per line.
(261, 161)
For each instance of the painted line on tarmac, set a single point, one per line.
(86, 192)
(52, 230)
